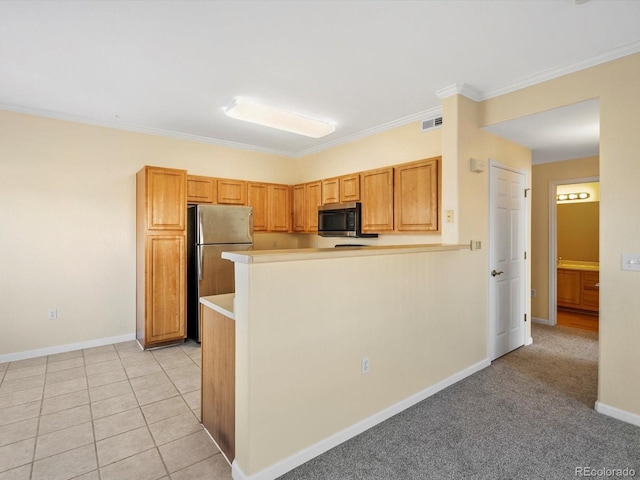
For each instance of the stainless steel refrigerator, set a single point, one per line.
(211, 230)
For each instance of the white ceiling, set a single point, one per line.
(170, 67)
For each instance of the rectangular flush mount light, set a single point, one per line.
(243, 109)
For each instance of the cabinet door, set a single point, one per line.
(416, 196)
(568, 288)
(350, 188)
(590, 291)
(201, 189)
(257, 198)
(165, 288)
(232, 192)
(299, 208)
(313, 199)
(377, 200)
(279, 208)
(166, 198)
(330, 190)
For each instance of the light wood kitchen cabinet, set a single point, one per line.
(350, 188)
(218, 337)
(330, 190)
(232, 192)
(578, 289)
(271, 206)
(416, 196)
(377, 200)
(201, 189)
(161, 200)
(306, 197)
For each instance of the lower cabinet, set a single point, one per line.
(577, 289)
(218, 347)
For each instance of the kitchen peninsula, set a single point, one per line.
(308, 320)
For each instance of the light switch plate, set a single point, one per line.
(631, 262)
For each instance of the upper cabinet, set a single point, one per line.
(271, 206)
(165, 191)
(307, 197)
(416, 196)
(377, 200)
(232, 192)
(350, 188)
(201, 189)
(330, 190)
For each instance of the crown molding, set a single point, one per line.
(415, 117)
(460, 89)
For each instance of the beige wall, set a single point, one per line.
(578, 228)
(615, 84)
(67, 223)
(542, 175)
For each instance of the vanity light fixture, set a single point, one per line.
(249, 111)
(563, 197)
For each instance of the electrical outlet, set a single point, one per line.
(364, 365)
(53, 314)
(449, 216)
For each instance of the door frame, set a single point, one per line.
(553, 242)
(526, 285)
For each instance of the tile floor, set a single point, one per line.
(112, 412)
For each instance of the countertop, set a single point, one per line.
(269, 256)
(579, 265)
(221, 303)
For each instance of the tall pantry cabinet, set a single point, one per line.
(161, 229)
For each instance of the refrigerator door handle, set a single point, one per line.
(200, 229)
(199, 247)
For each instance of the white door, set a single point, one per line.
(506, 260)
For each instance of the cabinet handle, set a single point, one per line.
(597, 285)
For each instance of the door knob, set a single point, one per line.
(495, 274)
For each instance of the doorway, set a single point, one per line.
(574, 253)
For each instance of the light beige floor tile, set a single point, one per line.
(64, 402)
(197, 413)
(121, 446)
(175, 362)
(171, 429)
(14, 432)
(59, 357)
(128, 349)
(104, 367)
(101, 358)
(111, 406)
(64, 440)
(144, 466)
(63, 419)
(17, 373)
(193, 399)
(16, 454)
(64, 375)
(213, 468)
(65, 364)
(188, 383)
(148, 381)
(155, 394)
(106, 377)
(186, 371)
(20, 473)
(28, 362)
(110, 390)
(89, 476)
(19, 412)
(119, 423)
(197, 361)
(138, 359)
(187, 451)
(154, 412)
(146, 368)
(62, 388)
(98, 350)
(66, 465)
(11, 386)
(21, 397)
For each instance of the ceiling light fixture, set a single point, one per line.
(248, 111)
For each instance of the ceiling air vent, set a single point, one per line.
(431, 123)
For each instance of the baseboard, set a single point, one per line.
(528, 341)
(543, 321)
(616, 413)
(288, 464)
(69, 347)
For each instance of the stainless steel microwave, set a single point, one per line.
(341, 220)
